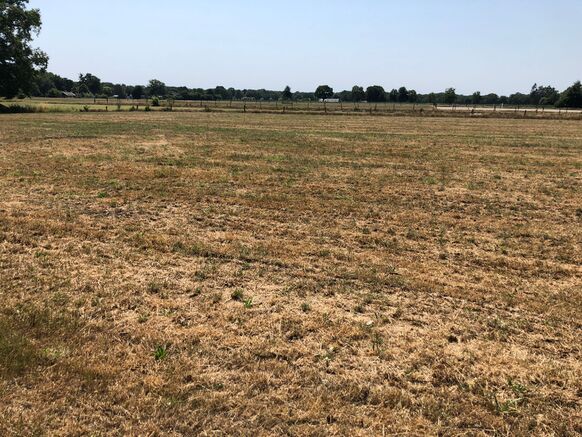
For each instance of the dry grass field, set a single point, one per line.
(262, 274)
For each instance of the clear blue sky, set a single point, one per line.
(498, 46)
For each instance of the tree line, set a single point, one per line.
(46, 84)
(23, 73)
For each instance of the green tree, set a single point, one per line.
(450, 96)
(548, 95)
(402, 94)
(45, 83)
(476, 98)
(19, 62)
(107, 91)
(543, 95)
(432, 98)
(120, 91)
(323, 92)
(287, 95)
(571, 97)
(221, 93)
(491, 99)
(62, 83)
(519, 99)
(157, 88)
(358, 94)
(393, 95)
(81, 90)
(137, 92)
(534, 96)
(93, 83)
(375, 94)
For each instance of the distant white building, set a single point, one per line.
(329, 100)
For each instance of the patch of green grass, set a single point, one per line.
(161, 352)
(27, 333)
(155, 287)
(513, 405)
(237, 295)
(17, 353)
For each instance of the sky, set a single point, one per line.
(500, 46)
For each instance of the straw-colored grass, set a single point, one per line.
(256, 274)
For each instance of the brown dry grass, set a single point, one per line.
(298, 275)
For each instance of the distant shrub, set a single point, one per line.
(32, 109)
(147, 108)
(155, 101)
(53, 92)
(19, 109)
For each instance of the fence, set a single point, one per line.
(310, 106)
